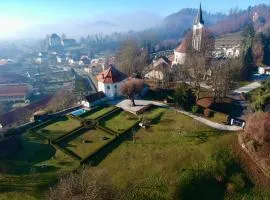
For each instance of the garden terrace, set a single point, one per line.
(98, 112)
(58, 127)
(119, 121)
(160, 154)
(86, 143)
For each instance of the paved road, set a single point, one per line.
(210, 123)
(248, 88)
(200, 119)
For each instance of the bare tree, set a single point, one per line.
(130, 58)
(132, 87)
(220, 78)
(87, 184)
(61, 100)
(258, 127)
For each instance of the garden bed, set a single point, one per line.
(59, 127)
(87, 143)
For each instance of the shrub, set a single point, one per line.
(88, 184)
(258, 127)
(195, 109)
(184, 97)
(208, 113)
(238, 181)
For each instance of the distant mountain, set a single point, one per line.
(175, 25)
(104, 23)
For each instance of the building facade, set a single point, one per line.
(110, 82)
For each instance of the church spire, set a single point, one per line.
(199, 18)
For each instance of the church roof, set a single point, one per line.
(182, 48)
(111, 75)
(199, 18)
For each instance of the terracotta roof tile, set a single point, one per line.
(111, 75)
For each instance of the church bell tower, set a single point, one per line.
(198, 31)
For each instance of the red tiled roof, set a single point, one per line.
(13, 90)
(14, 116)
(111, 75)
(205, 102)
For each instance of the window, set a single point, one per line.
(115, 86)
(108, 87)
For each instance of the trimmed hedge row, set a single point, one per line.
(92, 155)
(62, 137)
(66, 151)
(116, 109)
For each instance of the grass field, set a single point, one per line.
(24, 177)
(174, 143)
(60, 127)
(119, 121)
(87, 143)
(98, 112)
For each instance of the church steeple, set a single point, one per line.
(199, 18)
(198, 30)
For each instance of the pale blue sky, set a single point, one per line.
(16, 15)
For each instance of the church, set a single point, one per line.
(226, 46)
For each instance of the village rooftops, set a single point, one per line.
(111, 75)
(13, 90)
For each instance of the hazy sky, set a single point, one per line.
(18, 15)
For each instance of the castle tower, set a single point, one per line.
(198, 31)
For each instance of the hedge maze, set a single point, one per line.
(89, 137)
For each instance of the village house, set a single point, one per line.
(93, 99)
(264, 70)
(13, 93)
(110, 82)
(158, 68)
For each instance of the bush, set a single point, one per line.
(238, 181)
(184, 97)
(87, 184)
(208, 113)
(195, 109)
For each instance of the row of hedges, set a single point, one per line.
(116, 109)
(113, 142)
(62, 137)
(66, 151)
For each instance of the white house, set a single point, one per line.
(264, 70)
(110, 82)
(93, 99)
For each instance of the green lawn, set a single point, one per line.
(119, 121)
(87, 143)
(172, 144)
(60, 127)
(98, 112)
(22, 175)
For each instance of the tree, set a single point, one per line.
(130, 58)
(61, 100)
(197, 62)
(247, 55)
(258, 127)
(132, 87)
(184, 97)
(221, 75)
